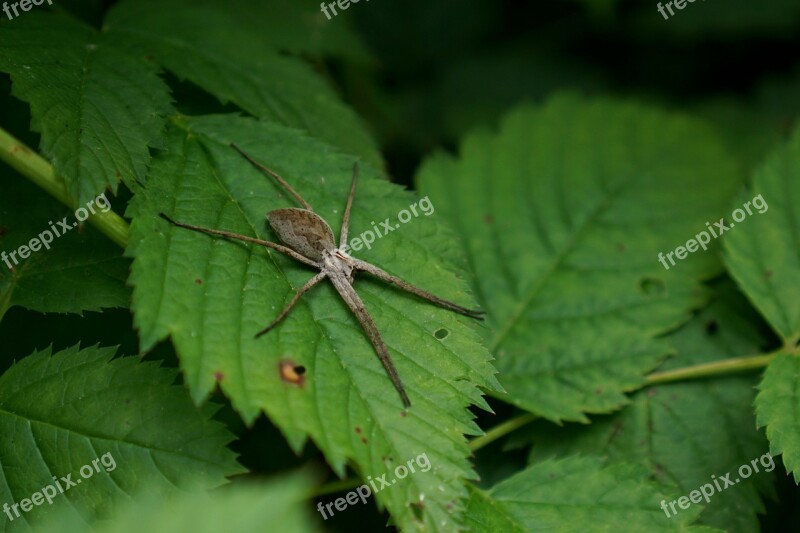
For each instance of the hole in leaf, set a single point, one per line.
(441, 333)
(652, 286)
(292, 373)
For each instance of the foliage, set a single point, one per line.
(604, 383)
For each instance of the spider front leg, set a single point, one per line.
(400, 283)
(238, 237)
(296, 298)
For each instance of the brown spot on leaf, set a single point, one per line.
(198, 281)
(292, 372)
(621, 247)
(359, 430)
(768, 274)
(712, 327)
(403, 413)
(219, 376)
(3, 231)
(364, 440)
(488, 219)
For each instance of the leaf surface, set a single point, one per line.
(667, 428)
(211, 296)
(82, 270)
(244, 508)
(562, 216)
(763, 255)
(60, 413)
(762, 252)
(97, 105)
(574, 494)
(194, 42)
(777, 408)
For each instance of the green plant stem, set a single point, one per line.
(725, 366)
(501, 430)
(31, 165)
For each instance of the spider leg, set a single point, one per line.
(356, 305)
(296, 298)
(282, 182)
(404, 285)
(236, 236)
(346, 219)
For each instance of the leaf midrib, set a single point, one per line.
(557, 260)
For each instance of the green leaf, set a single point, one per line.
(59, 413)
(666, 427)
(212, 296)
(243, 508)
(777, 408)
(763, 251)
(97, 106)
(562, 215)
(575, 494)
(82, 270)
(194, 42)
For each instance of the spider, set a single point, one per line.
(307, 238)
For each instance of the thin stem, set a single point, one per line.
(501, 430)
(28, 163)
(725, 366)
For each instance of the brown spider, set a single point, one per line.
(309, 240)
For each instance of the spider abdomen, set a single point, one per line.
(303, 231)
